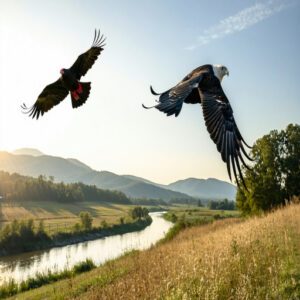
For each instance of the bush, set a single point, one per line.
(104, 224)
(86, 220)
(171, 217)
(9, 289)
(77, 227)
(84, 266)
(217, 217)
(18, 235)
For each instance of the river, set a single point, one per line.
(22, 266)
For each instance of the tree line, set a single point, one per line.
(221, 205)
(24, 235)
(18, 188)
(274, 178)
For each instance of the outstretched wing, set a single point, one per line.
(220, 123)
(86, 60)
(52, 95)
(171, 101)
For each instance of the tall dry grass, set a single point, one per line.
(230, 259)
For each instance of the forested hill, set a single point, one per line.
(72, 170)
(18, 188)
(32, 162)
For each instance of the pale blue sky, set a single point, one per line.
(148, 42)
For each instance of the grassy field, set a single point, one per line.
(257, 258)
(60, 216)
(193, 213)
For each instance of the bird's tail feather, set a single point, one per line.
(33, 111)
(80, 95)
(148, 107)
(165, 103)
(153, 92)
(99, 39)
(25, 109)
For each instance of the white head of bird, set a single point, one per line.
(220, 71)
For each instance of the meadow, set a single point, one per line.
(254, 258)
(61, 217)
(30, 232)
(194, 214)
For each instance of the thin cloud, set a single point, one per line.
(240, 21)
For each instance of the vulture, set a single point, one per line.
(69, 81)
(203, 85)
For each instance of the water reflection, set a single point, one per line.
(19, 267)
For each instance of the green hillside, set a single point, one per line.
(72, 170)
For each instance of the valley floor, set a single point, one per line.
(61, 217)
(257, 258)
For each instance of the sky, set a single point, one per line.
(148, 43)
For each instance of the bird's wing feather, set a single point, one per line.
(51, 95)
(171, 101)
(86, 60)
(220, 123)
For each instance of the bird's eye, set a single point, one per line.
(222, 68)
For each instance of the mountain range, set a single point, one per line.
(32, 162)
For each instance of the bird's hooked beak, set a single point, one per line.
(227, 72)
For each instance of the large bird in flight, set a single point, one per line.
(203, 85)
(69, 81)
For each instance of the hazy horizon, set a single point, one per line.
(148, 43)
(102, 170)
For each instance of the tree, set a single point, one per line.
(51, 178)
(104, 224)
(221, 204)
(275, 176)
(26, 229)
(173, 218)
(138, 212)
(18, 188)
(76, 227)
(86, 220)
(145, 212)
(212, 204)
(41, 227)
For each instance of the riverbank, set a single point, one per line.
(230, 258)
(68, 238)
(184, 217)
(11, 288)
(45, 268)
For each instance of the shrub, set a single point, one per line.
(86, 220)
(104, 224)
(84, 266)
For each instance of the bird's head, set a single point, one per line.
(220, 71)
(62, 71)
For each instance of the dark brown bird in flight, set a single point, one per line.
(203, 85)
(69, 81)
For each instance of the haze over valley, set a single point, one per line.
(32, 162)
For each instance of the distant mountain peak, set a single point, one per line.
(71, 170)
(79, 163)
(32, 162)
(28, 151)
(210, 188)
